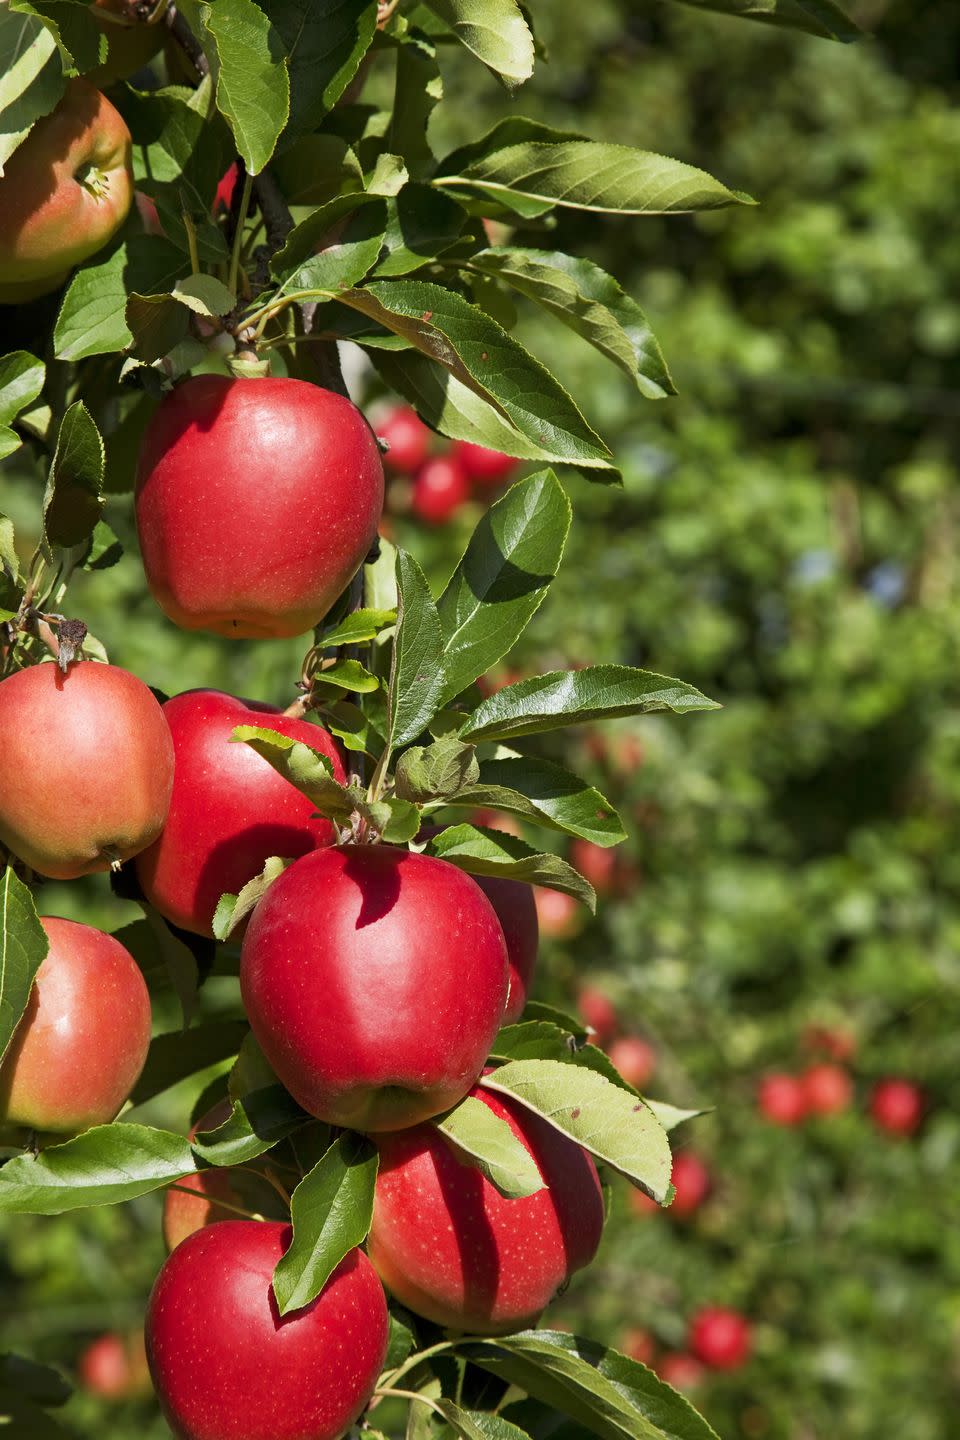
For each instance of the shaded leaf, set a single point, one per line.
(492, 1147)
(174, 1056)
(23, 949)
(494, 852)
(72, 501)
(428, 772)
(416, 675)
(232, 909)
(258, 1120)
(545, 794)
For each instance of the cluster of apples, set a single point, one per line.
(718, 1338)
(440, 482)
(338, 961)
(826, 1087)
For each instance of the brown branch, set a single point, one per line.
(187, 41)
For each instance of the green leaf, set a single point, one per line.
(32, 81)
(12, 583)
(157, 324)
(232, 909)
(614, 1125)
(572, 1024)
(309, 770)
(494, 852)
(331, 1210)
(92, 318)
(544, 1040)
(545, 794)
(430, 772)
(174, 1056)
(816, 17)
(670, 1116)
(418, 88)
(492, 1147)
(324, 42)
(514, 130)
(258, 1120)
(493, 30)
(40, 1383)
(253, 85)
(572, 697)
(502, 577)
(351, 727)
(23, 949)
(402, 1339)
(416, 675)
(589, 175)
(103, 1166)
(345, 260)
(204, 295)
(401, 821)
(304, 239)
(72, 501)
(105, 549)
(179, 962)
(422, 224)
(474, 348)
(21, 380)
(349, 675)
(480, 1424)
(589, 302)
(609, 1395)
(357, 627)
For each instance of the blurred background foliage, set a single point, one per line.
(786, 540)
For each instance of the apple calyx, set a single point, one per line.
(94, 180)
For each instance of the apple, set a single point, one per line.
(827, 1089)
(131, 44)
(597, 1010)
(558, 914)
(115, 1366)
(897, 1106)
(230, 810)
(597, 864)
(634, 1058)
(720, 1337)
(407, 437)
(375, 980)
(448, 1245)
(691, 1180)
(517, 912)
(225, 1366)
(64, 193)
(682, 1371)
(223, 197)
(86, 767)
(257, 501)
(639, 1345)
(82, 1041)
(782, 1098)
(482, 466)
(440, 488)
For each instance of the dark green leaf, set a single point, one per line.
(416, 677)
(429, 772)
(21, 380)
(103, 1166)
(346, 258)
(92, 319)
(492, 1147)
(331, 1210)
(105, 548)
(537, 1010)
(179, 962)
(23, 949)
(31, 77)
(324, 42)
(172, 1057)
(480, 1424)
(816, 17)
(157, 324)
(419, 87)
(253, 86)
(39, 1383)
(72, 502)
(422, 224)
(545, 794)
(494, 852)
(259, 1119)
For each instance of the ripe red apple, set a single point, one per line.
(597, 1010)
(408, 438)
(82, 1041)
(599, 865)
(450, 1247)
(634, 1058)
(517, 912)
(230, 810)
(482, 466)
(827, 1089)
(440, 488)
(375, 981)
(64, 193)
(682, 1371)
(558, 914)
(257, 502)
(131, 44)
(639, 1345)
(86, 767)
(897, 1106)
(782, 1099)
(223, 197)
(226, 1366)
(115, 1366)
(720, 1337)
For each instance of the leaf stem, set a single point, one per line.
(409, 1395)
(191, 230)
(222, 1204)
(414, 1360)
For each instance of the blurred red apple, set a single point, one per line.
(634, 1058)
(408, 438)
(720, 1337)
(560, 916)
(827, 1089)
(684, 1372)
(897, 1106)
(440, 488)
(597, 864)
(115, 1366)
(781, 1098)
(639, 1345)
(597, 1011)
(483, 466)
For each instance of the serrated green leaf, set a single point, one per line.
(416, 676)
(253, 85)
(204, 295)
(346, 259)
(92, 318)
(157, 324)
(72, 500)
(492, 1147)
(357, 627)
(23, 949)
(331, 1210)
(480, 1424)
(544, 1040)
(324, 42)
(32, 79)
(494, 852)
(401, 821)
(103, 1166)
(546, 795)
(430, 772)
(495, 31)
(21, 380)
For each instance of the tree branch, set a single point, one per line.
(187, 41)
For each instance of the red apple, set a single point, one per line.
(408, 438)
(720, 1337)
(827, 1089)
(115, 1366)
(229, 810)
(375, 981)
(227, 1367)
(483, 466)
(517, 912)
(897, 1106)
(450, 1247)
(599, 865)
(639, 1345)
(634, 1058)
(558, 914)
(440, 488)
(86, 767)
(223, 198)
(82, 1041)
(257, 502)
(684, 1372)
(691, 1181)
(782, 1099)
(64, 193)
(597, 1011)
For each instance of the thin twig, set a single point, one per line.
(187, 41)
